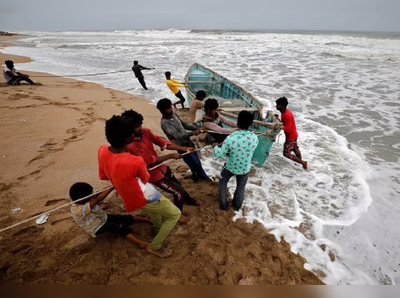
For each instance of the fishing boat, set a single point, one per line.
(233, 99)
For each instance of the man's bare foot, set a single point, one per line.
(183, 220)
(162, 252)
(197, 203)
(244, 210)
(305, 165)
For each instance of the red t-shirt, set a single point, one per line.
(122, 170)
(289, 125)
(143, 147)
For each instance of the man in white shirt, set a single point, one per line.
(13, 77)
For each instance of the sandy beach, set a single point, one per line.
(50, 137)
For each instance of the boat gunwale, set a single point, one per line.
(256, 122)
(228, 80)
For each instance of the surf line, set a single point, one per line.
(85, 198)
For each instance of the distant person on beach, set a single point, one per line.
(240, 147)
(213, 121)
(175, 129)
(93, 220)
(197, 105)
(137, 70)
(289, 127)
(174, 86)
(128, 174)
(143, 146)
(14, 77)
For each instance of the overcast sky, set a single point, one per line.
(356, 15)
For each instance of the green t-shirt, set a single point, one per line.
(240, 146)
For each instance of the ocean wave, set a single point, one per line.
(361, 55)
(337, 44)
(216, 32)
(76, 47)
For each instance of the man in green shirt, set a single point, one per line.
(240, 147)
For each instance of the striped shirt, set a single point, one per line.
(89, 219)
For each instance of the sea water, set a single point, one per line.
(343, 214)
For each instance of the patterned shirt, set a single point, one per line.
(89, 219)
(240, 146)
(175, 130)
(143, 147)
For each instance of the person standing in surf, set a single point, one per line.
(239, 147)
(289, 127)
(137, 70)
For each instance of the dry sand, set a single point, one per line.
(49, 140)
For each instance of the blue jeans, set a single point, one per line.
(195, 166)
(238, 197)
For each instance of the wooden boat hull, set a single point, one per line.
(234, 99)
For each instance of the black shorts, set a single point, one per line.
(117, 224)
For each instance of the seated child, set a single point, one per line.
(91, 218)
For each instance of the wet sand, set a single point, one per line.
(50, 137)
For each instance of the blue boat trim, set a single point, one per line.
(225, 91)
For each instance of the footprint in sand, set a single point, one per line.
(278, 268)
(72, 130)
(48, 144)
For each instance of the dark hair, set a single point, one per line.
(136, 118)
(164, 104)
(245, 119)
(80, 190)
(9, 63)
(282, 101)
(211, 104)
(201, 94)
(135, 62)
(118, 129)
(167, 74)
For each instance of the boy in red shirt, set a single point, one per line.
(128, 174)
(142, 145)
(289, 127)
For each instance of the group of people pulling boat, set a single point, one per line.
(134, 168)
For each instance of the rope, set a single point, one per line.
(52, 210)
(82, 199)
(81, 75)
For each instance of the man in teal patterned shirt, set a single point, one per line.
(239, 146)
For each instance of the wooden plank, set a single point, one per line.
(239, 109)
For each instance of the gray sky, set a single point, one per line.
(356, 15)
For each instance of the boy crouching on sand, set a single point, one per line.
(91, 218)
